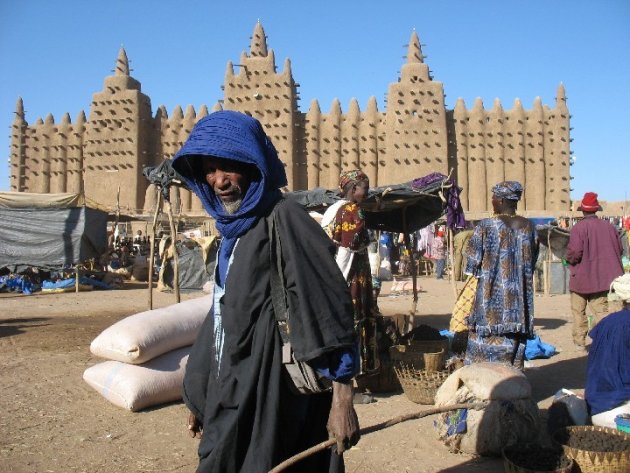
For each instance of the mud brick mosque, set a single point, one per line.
(415, 135)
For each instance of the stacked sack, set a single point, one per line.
(147, 355)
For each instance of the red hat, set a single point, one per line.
(590, 203)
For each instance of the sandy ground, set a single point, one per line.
(51, 421)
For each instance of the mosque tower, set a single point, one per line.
(18, 149)
(258, 90)
(416, 142)
(117, 140)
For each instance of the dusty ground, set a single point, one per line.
(51, 421)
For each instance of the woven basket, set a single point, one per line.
(511, 466)
(429, 346)
(594, 462)
(419, 360)
(420, 386)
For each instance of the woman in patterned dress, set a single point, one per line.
(352, 238)
(502, 253)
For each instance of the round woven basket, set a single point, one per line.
(429, 346)
(419, 360)
(587, 461)
(420, 386)
(512, 459)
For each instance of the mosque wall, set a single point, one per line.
(415, 135)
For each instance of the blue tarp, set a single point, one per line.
(70, 282)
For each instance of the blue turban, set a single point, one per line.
(510, 190)
(239, 137)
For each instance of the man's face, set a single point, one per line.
(228, 179)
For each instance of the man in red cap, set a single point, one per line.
(594, 253)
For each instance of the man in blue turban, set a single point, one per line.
(241, 402)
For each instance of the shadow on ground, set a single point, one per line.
(547, 379)
(549, 324)
(10, 327)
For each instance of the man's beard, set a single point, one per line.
(232, 207)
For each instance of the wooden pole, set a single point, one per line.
(169, 211)
(374, 428)
(547, 267)
(76, 279)
(412, 264)
(158, 201)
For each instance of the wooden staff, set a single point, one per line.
(373, 428)
(412, 265)
(169, 211)
(158, 202)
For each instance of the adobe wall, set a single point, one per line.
(415, 135)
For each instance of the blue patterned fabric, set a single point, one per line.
(509, 349)
(239, 137)
(503, 259)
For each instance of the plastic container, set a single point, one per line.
(623, 422)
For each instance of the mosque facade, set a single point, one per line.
(103, 155)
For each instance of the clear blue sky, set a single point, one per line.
(55, 54)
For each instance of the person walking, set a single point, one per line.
(242, 404)
(594, 256)
(438, 252)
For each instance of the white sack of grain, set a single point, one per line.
(143, 336)
(510, 417)
(135, 387)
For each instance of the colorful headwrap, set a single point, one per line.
(353, 176)
(510, 190)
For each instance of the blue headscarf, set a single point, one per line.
(510, 190)
(239, 137)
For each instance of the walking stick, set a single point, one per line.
(373, 428)
(169, 210)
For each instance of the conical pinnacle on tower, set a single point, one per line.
(80, 120)
(414, 52)
(496, 106)
(561, 94)
(314, 107)
(258, 45)
(372, 106)
(122, 63)
(203, 111)
(19, 109)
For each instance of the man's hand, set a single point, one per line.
(194, 426)
(343, 423)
